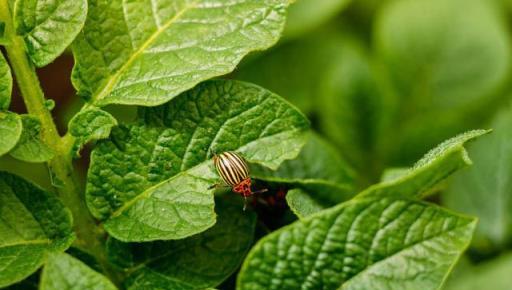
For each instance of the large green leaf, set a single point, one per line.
(10, 130)
(305, 15)
(5, 84)
(318, 169)
(198, 262)
(354, 107)
(64, 272)
(89, 125)
(485, 189)
(147, 52)
(371, 243)
(30, 146)
(33, 223)
(494, 274)
(48, 26)
(149, 180)
(434, 167)
(447, 66)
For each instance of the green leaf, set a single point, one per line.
(149, 180)
(355, 107)
(198, 262)
(485, 189)
(306, 15)
(295, 69)
(434, 167)
(48, 26)
(494, 275)
(448, 66)
(89, 125)
(318, 169)
(10, 130)
(30, 147)
(33, 223)
(5, 84)
(63, 272)
(302, 203)
(147, 53)
(372, 243)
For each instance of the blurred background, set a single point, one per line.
(383, 82)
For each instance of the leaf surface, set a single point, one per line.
(147, 52)
(33, 223)
(318, 169)
(302, 203)
(48, 26)
(30, 147)
(376, 243)
(10, 130)
(64, 272)
(434, 167)
(198, 262)
(149, 180)
(485, 189)
(5, 84)
(90, 125)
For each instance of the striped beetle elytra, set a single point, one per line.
(234, 171)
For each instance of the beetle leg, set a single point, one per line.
(217, 185)
(260, 191)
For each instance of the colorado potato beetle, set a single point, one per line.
(234, 171)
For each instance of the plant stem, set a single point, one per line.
(89, 235)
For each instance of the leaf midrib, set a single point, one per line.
(105, 91)
(147, 192)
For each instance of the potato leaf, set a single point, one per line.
(48, 26)
(30, 147)
(302, 203)
(33, 223)
(10, 130)
(89, 125)
(150, 179)
(5, 84)
(434, 167)
(318, 169)
(147, 52)
(198, 262)
(371, 243)
(64, 272)
(485, 189)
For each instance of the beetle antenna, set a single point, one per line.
(245, 203)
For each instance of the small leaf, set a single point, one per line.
(5, 84)
(33, 223)
(302, 204)
(485, 189)
(10, 130)
(377, 243)
(149, 180)
(48, 26)
(30, 147)
(305, 15)
(434, 167)
(89, 125)
(198, 262)
(146, 53)
(63, 272)
(318, 169)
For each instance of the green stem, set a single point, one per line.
(89, 235)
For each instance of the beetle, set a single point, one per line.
(234, 171)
